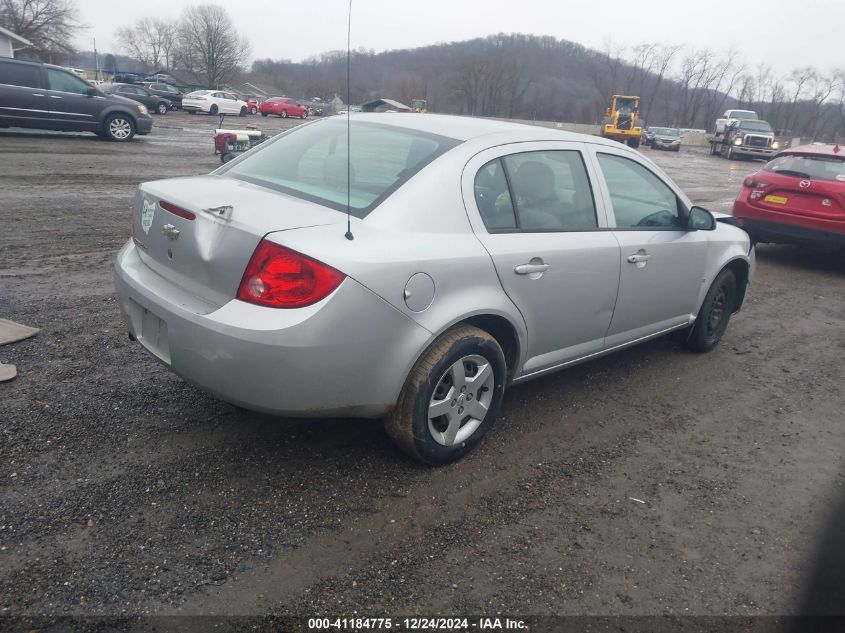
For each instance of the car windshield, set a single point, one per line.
(666, 131)
(310, 162)
(742, 114)
(817, 167)
(756, 126)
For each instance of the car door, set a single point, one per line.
(532, 207)
(71, 107)
(23, 101)
(138, 94)
(662, 262)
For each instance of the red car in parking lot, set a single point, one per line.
(798, 197)
(283, 107)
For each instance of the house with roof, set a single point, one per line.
(8, 42)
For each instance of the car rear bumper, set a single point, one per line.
(770, 226)
(345, 356)
(193, 108)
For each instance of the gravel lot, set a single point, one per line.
(650, 482)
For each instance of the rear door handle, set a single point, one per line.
(636, 258)
(37, 94)
(56, 97)
(528, 269)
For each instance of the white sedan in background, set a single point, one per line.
(213, 102)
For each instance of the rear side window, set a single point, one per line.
(815, 167)
(312, 162)
(65, 82)
(23, 75)
(640, 199)
(493, 197)
(551, 191)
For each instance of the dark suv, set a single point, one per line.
(169, 92)
(49, 97)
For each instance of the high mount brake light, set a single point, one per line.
(172, 208)
(278, 277)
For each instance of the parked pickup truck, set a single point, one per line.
(746, 137)
(730, 117)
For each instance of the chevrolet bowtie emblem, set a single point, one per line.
(170, 232)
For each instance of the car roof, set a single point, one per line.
(815, 149)
(465, 128)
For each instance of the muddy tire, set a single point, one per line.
(715, 313)
(451, 397)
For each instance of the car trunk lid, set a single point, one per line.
(200, 233)
(803, 196)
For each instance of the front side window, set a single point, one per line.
(313, 162)
(23, 75)
(65, 82)
(551, 191)
(640, 199)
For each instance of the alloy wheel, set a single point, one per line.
(120, 128)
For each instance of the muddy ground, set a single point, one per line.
(654, 481)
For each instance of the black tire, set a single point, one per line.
(634, 143)
(283, 114)
(192, 111)
(213, 109)
(408, 424)
(715, 313)
(304, 114)
(263, 114)
(243, 111)
(119, 128)
(254, 110)
(161, 108)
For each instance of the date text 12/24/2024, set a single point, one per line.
(415, 624)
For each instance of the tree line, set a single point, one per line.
(504, 75)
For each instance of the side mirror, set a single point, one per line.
(700, 219)
(92, 91)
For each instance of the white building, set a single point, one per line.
(7, 39)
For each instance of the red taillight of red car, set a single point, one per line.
(278, 277)
(752, 182)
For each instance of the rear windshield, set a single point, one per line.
(816, 167)
(199, 93)
(310, 162)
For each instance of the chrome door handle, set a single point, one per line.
(528, 269)
(638, 257)
(37, 94)
(56, 97)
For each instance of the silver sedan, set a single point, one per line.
(417, 276)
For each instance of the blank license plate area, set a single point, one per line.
(151, 332)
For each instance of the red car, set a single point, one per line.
(251, 105)
(798, 197)
(283, 107)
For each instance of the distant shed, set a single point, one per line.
(383, 105)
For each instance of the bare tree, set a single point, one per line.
(150, 41)
(208, 44)
(49, 24)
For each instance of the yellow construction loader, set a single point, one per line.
(418, 105)
(622, 120)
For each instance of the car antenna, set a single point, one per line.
(348, 235)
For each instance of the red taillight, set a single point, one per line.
(172, 208)
(278, 277)
(752, 183)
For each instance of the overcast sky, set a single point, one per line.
(783, 33)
